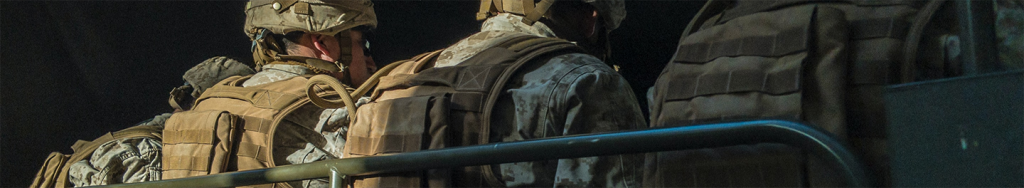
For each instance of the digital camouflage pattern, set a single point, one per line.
(213, 70)
(568, 94)
(327, 17)
(1010, 32)
(289, 147)
(129, 160)
(132, 160)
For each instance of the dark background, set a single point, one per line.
(76, 70)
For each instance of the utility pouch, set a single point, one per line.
(198, 143)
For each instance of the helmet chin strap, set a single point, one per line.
(266, 51)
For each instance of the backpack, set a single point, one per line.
(419, 107)
(54, 172)
(231, 128)
(825, 63)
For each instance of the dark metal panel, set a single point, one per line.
(958, 132)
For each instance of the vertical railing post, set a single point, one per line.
(336, 178)
(977, 36)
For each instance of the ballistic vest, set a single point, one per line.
(231, 128)
(825, 63)
(418, 106)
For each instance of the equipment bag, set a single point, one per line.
(231, 128)
(418, 107)
(821, 62)
(54, 172)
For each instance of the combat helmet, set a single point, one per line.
(613, 11)
(325, 17)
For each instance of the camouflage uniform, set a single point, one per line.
(1010, 33)
(128, 160)
(568, 94)
(133, 160)
(331, 123)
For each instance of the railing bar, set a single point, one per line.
(638, 141)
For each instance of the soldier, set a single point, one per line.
(269, 120)
(564, 90)
(136, 158)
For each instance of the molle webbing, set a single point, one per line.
(824, 62)
(455, 102)
(232, 127)
(783, 43)
(197, 143)
(749, 7)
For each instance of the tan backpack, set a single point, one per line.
(418, 107)
(821, 62)
(54, 172)
(231, 128)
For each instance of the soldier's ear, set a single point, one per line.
(318, 44)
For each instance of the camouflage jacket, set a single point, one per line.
(565, 95)
(128, 160)
(331, 123)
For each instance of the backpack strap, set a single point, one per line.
(84, 149)
(527, 49)
(924, 16)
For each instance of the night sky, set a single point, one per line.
(76, 70)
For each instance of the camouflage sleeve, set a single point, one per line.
(598, 100)
(128, 160)
(571, 94)
(333, 125)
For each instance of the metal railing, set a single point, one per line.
(640, 141)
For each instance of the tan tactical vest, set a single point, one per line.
(824, 63)
(54, 172)
(418, 107)
(231, 128)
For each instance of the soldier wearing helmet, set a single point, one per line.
(267, 119)
(574, 93)
(562, 92)
(315, 37)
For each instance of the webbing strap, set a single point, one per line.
(202, 136)
(538, 12)
(485, 10)
(785, 42)
(188, 162)
(260, 98)
(526, 54)
(260, 153)
(914, 38)
(775, 83)
(742, 8)
(879, 27)
(500, 4)
(374, 146)
(256, 124)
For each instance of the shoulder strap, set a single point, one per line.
(921, 20)
(527, 49)
(84, 149)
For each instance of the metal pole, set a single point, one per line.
(651, 140)
(336, 178)
(977, 31)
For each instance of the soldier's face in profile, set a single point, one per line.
(362, 65)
